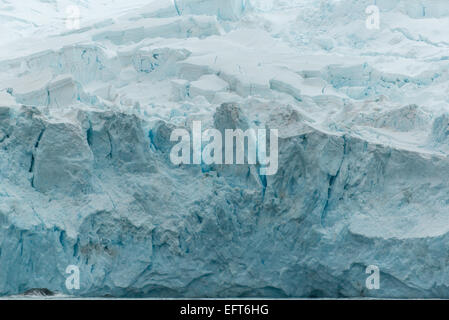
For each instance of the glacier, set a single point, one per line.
(86, 178)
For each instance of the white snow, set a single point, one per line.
(85, 122)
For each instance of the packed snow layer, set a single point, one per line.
(86, 178)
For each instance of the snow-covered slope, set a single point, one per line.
(86, 177)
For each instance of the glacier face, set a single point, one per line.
(86, 178)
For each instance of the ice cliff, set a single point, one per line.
(363, 117)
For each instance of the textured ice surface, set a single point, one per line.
(85, 123)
